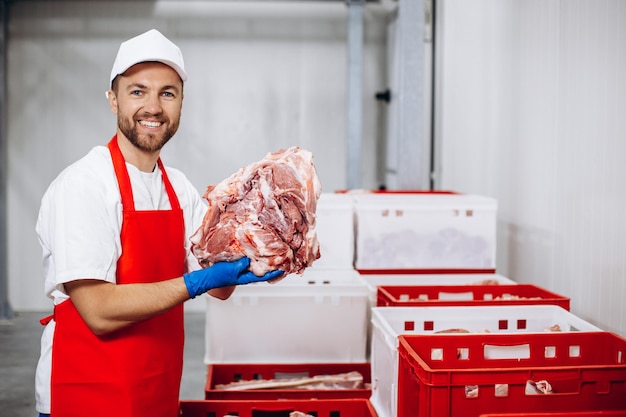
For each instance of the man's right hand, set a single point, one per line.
(223, 274)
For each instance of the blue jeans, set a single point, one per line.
(44, 415)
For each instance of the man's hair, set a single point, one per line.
(115, 84)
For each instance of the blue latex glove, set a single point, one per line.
(223, 274)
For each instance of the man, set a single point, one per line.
(113, 227)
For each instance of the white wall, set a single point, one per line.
(262, 75)
(531, 105)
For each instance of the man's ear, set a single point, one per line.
(112, 101)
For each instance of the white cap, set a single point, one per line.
(149, 46)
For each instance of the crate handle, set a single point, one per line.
(506, 352)
(456, 296)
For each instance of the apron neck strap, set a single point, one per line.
(123, 179)
(168, 187)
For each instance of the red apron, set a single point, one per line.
(135, 371)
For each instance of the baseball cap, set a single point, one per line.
(149, 46)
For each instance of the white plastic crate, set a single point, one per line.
(390, 322)
(317, 317)
(425, 231)
(335, 231)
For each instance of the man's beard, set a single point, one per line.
(145, 142)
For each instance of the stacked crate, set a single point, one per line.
(423, 232)
(424, 238)
(305, 326)
(467, 295)
(408, 246)
(374, 281)
(391, 322)
(401, 275)
(474, 374)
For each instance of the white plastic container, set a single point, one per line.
(335, 231)
(425, 231)
(390, 322)
(317, 317)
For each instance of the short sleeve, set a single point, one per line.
(78, 227)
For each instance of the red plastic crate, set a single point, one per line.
(355, 407)
(226, 373)
(466, 295)
(427, 271)
(582, 414)
(587, 371)
(373, 191)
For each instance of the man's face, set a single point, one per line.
(148, 101)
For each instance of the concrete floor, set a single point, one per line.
(19, 352)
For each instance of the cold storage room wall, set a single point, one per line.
(531, 103)
(262, 76)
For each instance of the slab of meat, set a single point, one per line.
(347, 380)
(265, 211)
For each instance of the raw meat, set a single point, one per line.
(486, 282)
(453, 331)
(539, 387)
(501, 390)
(265, 211)
(348, 380)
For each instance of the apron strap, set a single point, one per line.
(168, 187)
(123, 179)
(45, 320)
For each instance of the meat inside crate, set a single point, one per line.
(264, 381)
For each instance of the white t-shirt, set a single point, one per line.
(79, 227)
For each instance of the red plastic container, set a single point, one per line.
(582, 414)
(373, 191)
(587, 371)
(355, 407)
(467, 295)
(426, 271)
(226, 373)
